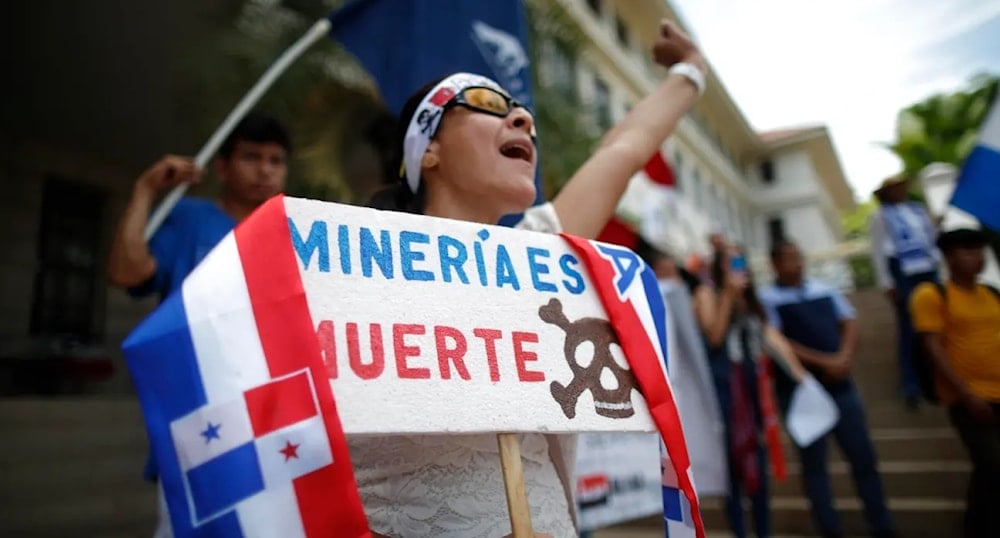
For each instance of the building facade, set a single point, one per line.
(754, 187)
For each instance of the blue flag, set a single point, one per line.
(978, 189)
(404, 44)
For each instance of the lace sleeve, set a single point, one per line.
(541, 218)
(452, 485)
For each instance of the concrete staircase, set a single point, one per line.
(923, 464)
(71, 467)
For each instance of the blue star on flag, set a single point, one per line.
(211, 432)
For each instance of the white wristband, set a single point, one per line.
(690, 72)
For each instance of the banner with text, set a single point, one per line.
(618, 478)
(459, 327)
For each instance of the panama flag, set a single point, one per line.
(978, 189)
(659, 171)
(677, 519)
(660, 207)
(631, 297)
(239, 411)
(660, 175)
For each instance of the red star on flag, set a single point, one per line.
(290, 451)
(669, 477)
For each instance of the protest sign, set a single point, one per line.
(435, 325)
(618, 478)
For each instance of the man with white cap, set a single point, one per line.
(903, 255)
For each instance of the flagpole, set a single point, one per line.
(287, 58)
(513, 482)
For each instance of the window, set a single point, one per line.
(678, 168)
(749, 237)
(559, 69)
(732, 219)
(697, 187)
(719, 210)
(595, 7)
(602, 104)
(776, 230)
(767, 172)
(712, 201)
(68, 248)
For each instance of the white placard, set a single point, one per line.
(458, 327)
(618, 478)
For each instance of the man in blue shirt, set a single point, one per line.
(252, 166)
(819, 323)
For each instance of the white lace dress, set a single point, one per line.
(452, 485)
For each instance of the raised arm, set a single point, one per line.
(130, 262)
(715, 310)
(589, 199)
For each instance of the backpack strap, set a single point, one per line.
(943, 291)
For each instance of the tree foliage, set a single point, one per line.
(855, 223)
(327, 100)
(565, 135)
(943, 127)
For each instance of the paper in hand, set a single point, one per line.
(812, 413)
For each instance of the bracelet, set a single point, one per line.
(690, 72)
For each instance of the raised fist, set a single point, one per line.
(673, 46)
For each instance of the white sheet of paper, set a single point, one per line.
(812, 413)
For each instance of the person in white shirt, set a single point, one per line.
(903, 255)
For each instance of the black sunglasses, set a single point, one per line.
(483, 99)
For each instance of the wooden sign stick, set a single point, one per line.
(513, 481)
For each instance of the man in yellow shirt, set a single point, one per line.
(959, 325)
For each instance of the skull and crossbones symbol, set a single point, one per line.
(614, 402)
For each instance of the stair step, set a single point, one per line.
(64, 481)
(105, 515)
(915, 518)
(893, 414)
(43, 443)
(634, 532)
(900, 479)
(900, 444)
(73, 413)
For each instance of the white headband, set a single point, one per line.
(427, 117)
